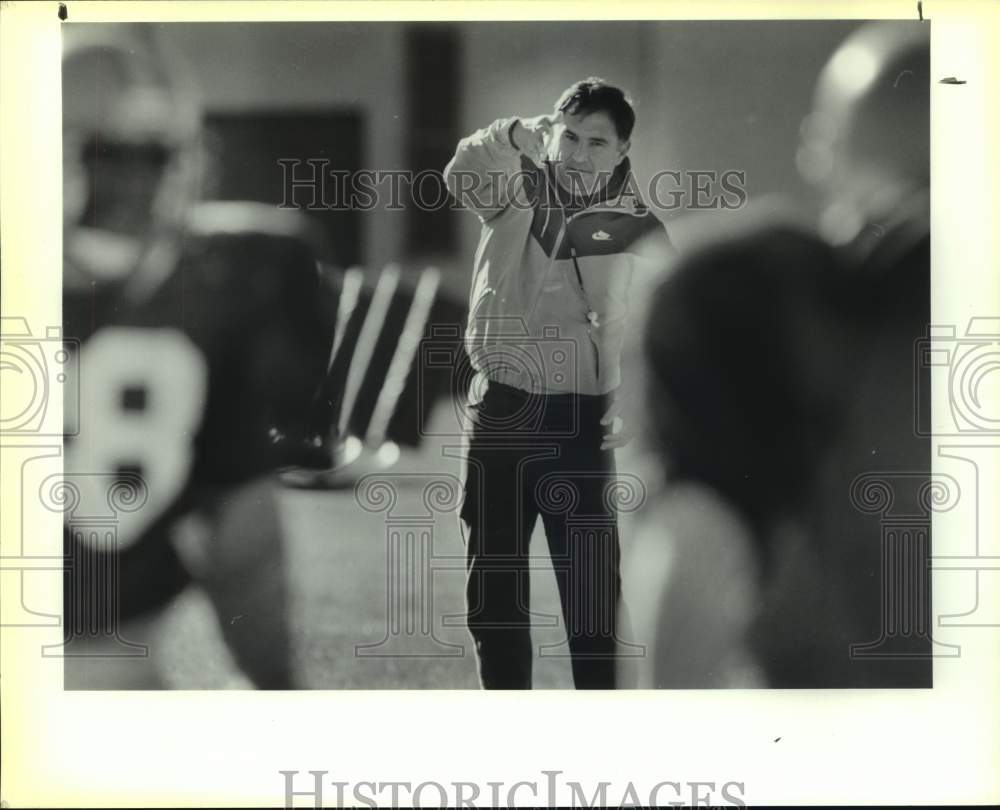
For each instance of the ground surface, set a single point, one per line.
(341, 561)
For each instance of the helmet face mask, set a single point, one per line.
(110, 193)
(131, 152)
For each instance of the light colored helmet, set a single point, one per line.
(865, 145)
(131, 149)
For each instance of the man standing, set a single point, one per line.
(561, 229)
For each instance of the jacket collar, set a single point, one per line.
(610, 191)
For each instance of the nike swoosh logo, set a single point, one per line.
(601, 236)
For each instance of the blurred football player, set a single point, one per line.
(744, 389)
(781, 368)
(866, 148)
(204, 334)
(866, 144)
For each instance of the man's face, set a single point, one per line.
(587, 149)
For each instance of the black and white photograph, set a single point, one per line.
(349, 355)
(475, 355)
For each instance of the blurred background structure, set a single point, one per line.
(710, 96)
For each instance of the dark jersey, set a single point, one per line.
(208, 382)
(876, 555)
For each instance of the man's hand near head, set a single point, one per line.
(531, 135)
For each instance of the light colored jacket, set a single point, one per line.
(549, 293)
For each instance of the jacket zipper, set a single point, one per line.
(548, 271)
(591, 314)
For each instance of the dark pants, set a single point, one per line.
(532, 455)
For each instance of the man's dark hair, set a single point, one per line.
(596, 95)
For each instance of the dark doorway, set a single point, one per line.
(246, 148)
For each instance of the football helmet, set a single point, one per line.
(131, 154)
(865, 145)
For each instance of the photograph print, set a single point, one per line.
(497, 355)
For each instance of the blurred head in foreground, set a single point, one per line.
(201, 335)
(747, 367)
(131, 150)
(781, 369)
(866, 144)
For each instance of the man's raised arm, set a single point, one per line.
(483, 174)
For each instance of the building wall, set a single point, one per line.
(297, 66)
(710, 95)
